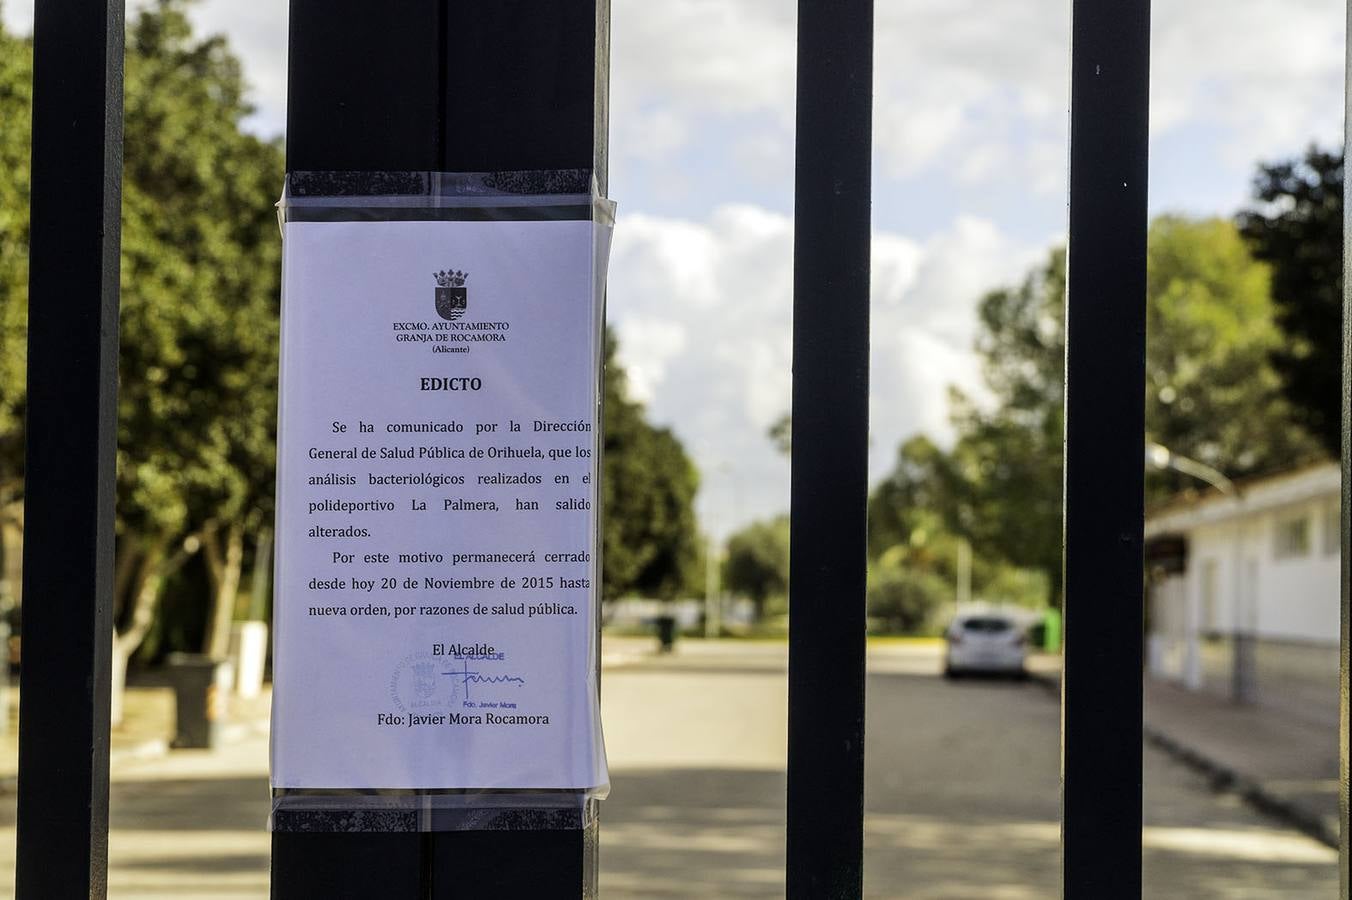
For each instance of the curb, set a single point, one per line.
(148, 749)
(1048, 681)
(1223, 779)
(623, 660)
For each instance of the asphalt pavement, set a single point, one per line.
(961, 790)
(961, 796)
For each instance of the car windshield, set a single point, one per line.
(986, 625)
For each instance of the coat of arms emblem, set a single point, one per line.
(452, 295)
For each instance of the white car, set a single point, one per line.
(988, 643)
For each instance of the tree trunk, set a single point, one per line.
(118, 686)
(262, 577)
(11, 552)
(225, 558)
(1056, 598)
(144, 597)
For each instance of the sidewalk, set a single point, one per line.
(147, 726)
(148, 712)
(623, 650)
(1282, 762)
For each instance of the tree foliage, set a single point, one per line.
(199, 284)
(16, 103)
(910, 530)
(1296, 226)
(1212, 394)
(1002, 479)
(650, 539)
(757, 562)
(906, 600)
(780, 434)
(200, 269)
(198, 361)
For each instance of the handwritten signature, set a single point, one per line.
(467, 677)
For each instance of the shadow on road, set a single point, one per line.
(211, 804)
(693, 833)
(962, 799)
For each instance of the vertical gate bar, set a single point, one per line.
(71, 438)
(363, 91)
(457, 86)
(827, 568)
(1105, 432)
(363, 94)
(524, 89)
(1345, 631)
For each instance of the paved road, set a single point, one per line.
(961, 797)
(961, 792)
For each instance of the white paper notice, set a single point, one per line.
(437, 500)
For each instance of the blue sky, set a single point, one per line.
(970, 156)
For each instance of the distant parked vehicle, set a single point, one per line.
(986, 643)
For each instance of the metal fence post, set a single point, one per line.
(71, 440)
(453, 86)
(1105, 429)
(829, 500)
(1345, 636)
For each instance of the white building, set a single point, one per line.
(1262, 561)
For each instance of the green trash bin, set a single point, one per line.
(666, 633)
(1051, 631)
(201, 692)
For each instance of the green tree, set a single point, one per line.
(1212, 394)
(16, 103)
(757, 562)
(1296, 226)
(917, 498)
(650, 538)
(199, 280)
(198, 367)
(904, 600)
(1003, 478)
(910, 515)
(780, 434)
(200, 264)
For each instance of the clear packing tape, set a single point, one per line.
(401, 797)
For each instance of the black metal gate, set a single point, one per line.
(547, 62)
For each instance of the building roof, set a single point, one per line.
(1190, 509)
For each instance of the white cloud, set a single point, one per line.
(977, 92)
(704, 311)
(966, 87)
(971, 99)
(924, 326)
(654, 134)
(649, 347)
(705, 56)
(1268, 74)
(257, 33)
(17, 16)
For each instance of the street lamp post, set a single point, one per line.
(1243, 671)
(713, 613)
(964, 585)
(713, 606)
